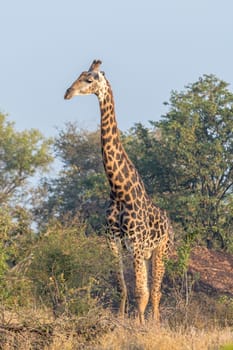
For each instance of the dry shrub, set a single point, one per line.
(70, 271)
(40, 331)
(150, 337)
(200, 310)
(100, 330)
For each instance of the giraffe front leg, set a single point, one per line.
(141, 286)
(115, 245)
(157, 277)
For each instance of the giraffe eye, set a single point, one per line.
(89, 80)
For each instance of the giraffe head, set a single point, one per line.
(89, 82)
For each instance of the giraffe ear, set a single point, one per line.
(95, 66)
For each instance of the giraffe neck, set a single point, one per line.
(118, 166)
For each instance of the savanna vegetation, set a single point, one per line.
(57, 275)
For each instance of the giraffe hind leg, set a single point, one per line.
(122, 285)
(158, 270)
(141, 286)
(117, 252)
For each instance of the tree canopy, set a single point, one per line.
(197, 142)
(81, 185)
(186, 159)
(21, 155)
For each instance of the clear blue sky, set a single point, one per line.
(147, 47)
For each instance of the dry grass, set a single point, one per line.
(102, 331)
(154, 338)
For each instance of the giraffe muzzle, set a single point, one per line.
(68, 94)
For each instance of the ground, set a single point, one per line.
(214, 270)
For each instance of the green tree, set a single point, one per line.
(81, 185)
(21, 155)
(186, 159)
(197, 144)
(144, 149)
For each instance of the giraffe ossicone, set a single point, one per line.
(132, 218)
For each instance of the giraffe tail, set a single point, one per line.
(170, 242)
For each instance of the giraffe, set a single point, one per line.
(132, 218)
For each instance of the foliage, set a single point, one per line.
(5, 226)
(70, 271)
(81, 185)
(197, 134)
(16, 239)
(186, 161)
(21, 155)
(141, 144)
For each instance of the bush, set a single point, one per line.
(70, 271)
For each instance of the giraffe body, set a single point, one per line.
(132, 218)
